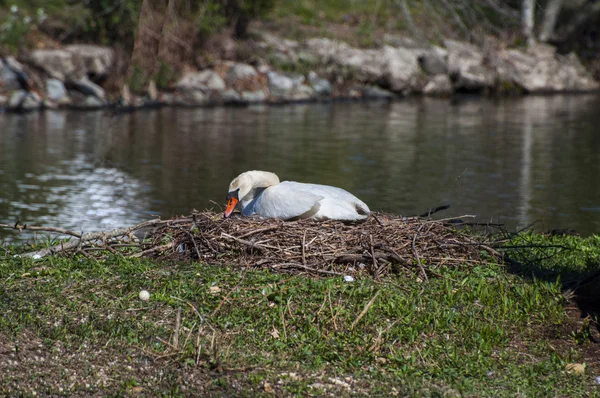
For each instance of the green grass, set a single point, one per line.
(477, 331)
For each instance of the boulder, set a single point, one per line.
(9, 78)
(59, 64)
(375, 92)
(321, 86)
(433, 62)
(439, 85)
(92, 102)
(281, 85)
(56, 92)
(22, 100)
(402, 66)
(204, 80)
(541, 70)
(467, 67)
(152, 92)
(127, 99)
(230, 96)
(254, 96)
(302, 93)
(397, 67)
(240, 72)
(85, 86)
(95, 60)
(195, 98)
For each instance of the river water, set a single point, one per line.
(512, 160)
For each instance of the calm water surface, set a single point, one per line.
(514, 161)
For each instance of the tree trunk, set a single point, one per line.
(527, 17)
(550, 17)
(147, 38)
(178, 36)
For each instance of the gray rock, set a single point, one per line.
(23, 100)
(195, 98)
(204, 80)
(152, 93)
(3, 101)
(92, 102)
(397, 67)
(541, 70)
(467, 68)
(229, 96)
(303, 93)
(376, 92)
(321, 86)
(58, 64)
(271, 41)
(87, 87)
(56, 91)
(307, 58)
(402, 68)
(433, 63)
(9, 80)
(254, 96)
(280, 84)
(438, 85)
(265, 68)
(95, 60)
(240, 72)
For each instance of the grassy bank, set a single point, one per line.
(76, 326)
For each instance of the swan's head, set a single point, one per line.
(244, 187)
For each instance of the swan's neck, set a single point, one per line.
(250, 196)
(253, 183)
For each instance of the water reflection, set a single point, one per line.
(511, 160)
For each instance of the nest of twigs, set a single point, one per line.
(380, 245)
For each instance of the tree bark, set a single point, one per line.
(527, 19)
(147, 38)
(550, 17)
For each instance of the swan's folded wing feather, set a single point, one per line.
(286, 201)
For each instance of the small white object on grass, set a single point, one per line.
(597, 379)
(36, 257)
(144, 295)
(348, 278)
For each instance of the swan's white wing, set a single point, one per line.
(336, 203)
(286, 201)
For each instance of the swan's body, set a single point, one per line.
(260, 193)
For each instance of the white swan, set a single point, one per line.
(261, 193)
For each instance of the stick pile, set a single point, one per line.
(382, 244)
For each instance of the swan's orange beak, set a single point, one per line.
(231, 203)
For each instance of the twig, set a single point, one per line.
(20, 228)
(364, 311)
(375, 267)
(303, 248)
(414, 249)
(258, 231)
(253, 245)
(154, 249)
(304, 267)
(229, 294)
(177, 326)
(434, 210)
(91, 236)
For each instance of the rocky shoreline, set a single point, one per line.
(72, 76)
